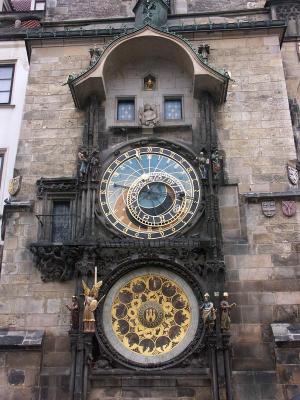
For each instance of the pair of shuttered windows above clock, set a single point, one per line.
(172, 109)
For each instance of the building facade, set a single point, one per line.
(14, 68)
(159, 162)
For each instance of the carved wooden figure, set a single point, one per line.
(208, 313)
(225, 312)
(74, 308)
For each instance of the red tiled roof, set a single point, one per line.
(32, 24)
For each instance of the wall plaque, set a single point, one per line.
(289, 208)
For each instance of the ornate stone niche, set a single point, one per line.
(150, 82)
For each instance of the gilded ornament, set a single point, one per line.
(14, 185)
(91, 303)
(150, 315)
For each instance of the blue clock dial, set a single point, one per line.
(150, 193)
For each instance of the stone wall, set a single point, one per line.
(261, 254)
(68, 10)
(19, 374)
(222, 5)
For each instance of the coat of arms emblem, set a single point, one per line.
(14, 185)
(268, 208)
(293, 174)
(289, 208)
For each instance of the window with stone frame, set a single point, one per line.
(57, 221)
(126, 109)
(40, 5)
(61, 221)
(6, 82)
(173, 108)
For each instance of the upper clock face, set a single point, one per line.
(149, 193)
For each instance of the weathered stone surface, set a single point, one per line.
(16, 377)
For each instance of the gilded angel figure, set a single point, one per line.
(90, 305)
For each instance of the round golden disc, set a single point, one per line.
(151, 315)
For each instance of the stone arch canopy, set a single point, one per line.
(93, 81)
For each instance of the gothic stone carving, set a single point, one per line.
(148, 116)
(56, 263)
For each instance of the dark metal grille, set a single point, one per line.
(61, 222)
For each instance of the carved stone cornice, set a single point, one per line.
(62, 262)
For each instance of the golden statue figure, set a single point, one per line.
(90, 305)
(149, 83)
(225, 312)
(208, 313)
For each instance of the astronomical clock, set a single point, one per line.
(137, 226)
(150, 196)
(150, 193)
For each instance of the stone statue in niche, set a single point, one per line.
(208, 313)
(95, 54)
(204, 50)
(225, 312)
(74, 308)
(148, 116)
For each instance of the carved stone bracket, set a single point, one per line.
(56, 263)
(55, 185)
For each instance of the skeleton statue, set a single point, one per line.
(225, 312)
(84, 163)
(203, 165)
(208, 313)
